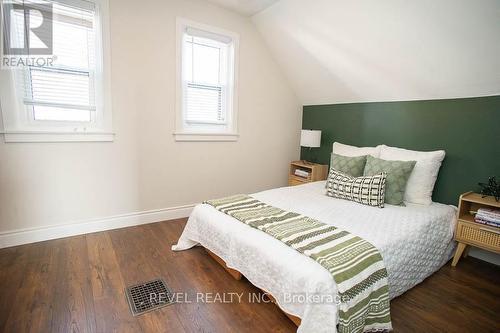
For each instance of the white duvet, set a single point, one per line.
(414, 241)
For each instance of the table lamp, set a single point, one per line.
(310, 139)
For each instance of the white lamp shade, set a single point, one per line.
(310, 138)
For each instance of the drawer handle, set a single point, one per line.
(492, 231)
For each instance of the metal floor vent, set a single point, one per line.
(149, 296)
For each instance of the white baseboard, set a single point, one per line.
(490, 257)
(32, 235)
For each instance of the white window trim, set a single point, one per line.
(181, 134)
(15, 130)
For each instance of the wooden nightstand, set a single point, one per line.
(315, 172)
(470, 233)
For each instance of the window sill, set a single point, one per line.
(57, 137)
(180, 136)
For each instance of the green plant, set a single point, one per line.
(491, 188)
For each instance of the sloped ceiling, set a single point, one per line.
(245, 7)
(336, 51)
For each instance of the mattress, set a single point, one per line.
(414, 241)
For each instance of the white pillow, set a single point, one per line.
(423, 177)
(353, 151)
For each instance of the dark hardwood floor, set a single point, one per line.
(77, 284)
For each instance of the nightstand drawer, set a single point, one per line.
(476, 234)
(295, 180)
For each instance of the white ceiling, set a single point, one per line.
(336, 51)
(245, 7)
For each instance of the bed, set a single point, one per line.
(414, 241)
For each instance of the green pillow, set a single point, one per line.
(353, 166)
(398, 173)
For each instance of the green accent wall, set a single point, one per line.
(467, 128)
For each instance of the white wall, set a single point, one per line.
(45, 184)
(336, 51)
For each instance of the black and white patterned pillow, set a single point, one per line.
(367, 190)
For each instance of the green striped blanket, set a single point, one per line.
(356, 265)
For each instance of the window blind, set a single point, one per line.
(64, 91)
(204, 104)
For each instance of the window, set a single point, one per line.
(63, 92)
(206, 96)
(62, 99)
